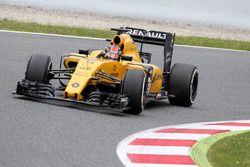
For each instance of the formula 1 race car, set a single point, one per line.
(119, 76)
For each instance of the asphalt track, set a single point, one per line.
(35, 134)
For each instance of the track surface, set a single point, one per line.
(36, 134)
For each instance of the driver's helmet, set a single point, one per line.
(113, 52)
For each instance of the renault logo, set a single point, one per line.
(75, 85)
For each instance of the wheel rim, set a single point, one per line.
(47, 73)
(142, 94)
(193, 86)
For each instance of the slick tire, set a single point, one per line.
(134, 86)
(183, 84)
(38, 68)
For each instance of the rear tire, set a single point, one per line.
(38, 68)
(183, 84)
(133, 85)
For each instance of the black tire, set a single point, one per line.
(38, 68)
(134, 85)
(183, 84)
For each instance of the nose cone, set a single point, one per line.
(80, 78)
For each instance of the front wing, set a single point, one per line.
(47, 93)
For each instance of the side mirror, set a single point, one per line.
(127, 58)
(83, 51)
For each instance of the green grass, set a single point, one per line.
(212, 42)
(53, 29)
(233, 151)
(98, 33)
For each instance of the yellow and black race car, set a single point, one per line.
(119, 76)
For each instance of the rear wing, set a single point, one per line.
(165, 39)
(148, 37)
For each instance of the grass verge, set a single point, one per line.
(233, 151)
(53, 29)
(75, 31)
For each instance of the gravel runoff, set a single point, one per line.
(92, 20)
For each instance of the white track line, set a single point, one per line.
(160, 165)
(219, 127)
(102, 39)
(52, 35)
(184, 136)
(211, 48)
(161, 150)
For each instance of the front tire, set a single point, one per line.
(133, 85)
(38, 68)
(183, 84)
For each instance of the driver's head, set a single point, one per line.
(113, 52)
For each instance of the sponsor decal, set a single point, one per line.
(157, 77)
(75, 85)
(114, 68)
(150, 34)
(85, 68)
(81, 73)
(92, 61)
